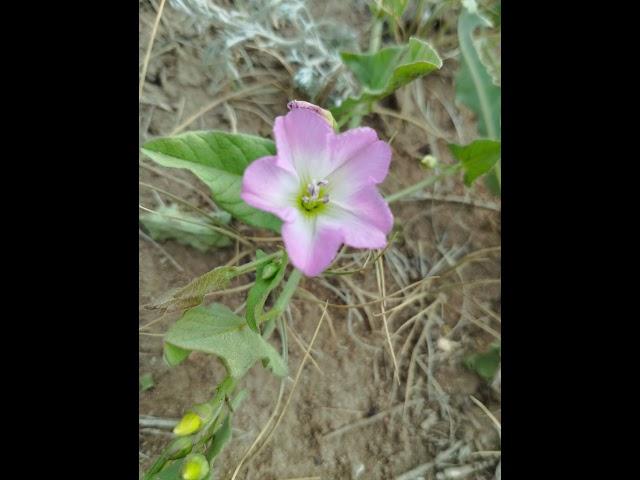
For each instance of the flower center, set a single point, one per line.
(314, 197)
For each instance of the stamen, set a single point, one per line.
(313, 190)
(312, 200)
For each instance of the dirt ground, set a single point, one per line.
(450, 232)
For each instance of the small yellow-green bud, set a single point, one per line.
(189, 424)
(179, 448)
(195, 467)
(429, 161)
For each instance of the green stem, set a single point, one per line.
(157, 466)
(422, 184)
(376, 34)
(288, 290)
(374, 45)
(251, 266)
(283, 300)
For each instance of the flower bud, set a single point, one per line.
(179, 448)
(196, 467)
(270, 271)
(325, 114)
(189, 424)
(204, 411)
(429, 162)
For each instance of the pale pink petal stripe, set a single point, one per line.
(364, 219)
(268, 187)
(302, 138)
(311, 245)
(362, 160)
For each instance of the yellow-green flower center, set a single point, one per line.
(313, 197)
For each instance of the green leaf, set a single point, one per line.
(474, 86)
(172, 472)
(174, 355)
(217, 330)
(393, 8)
(485, 364)
(488, 48)
(266, 280)
(477, 158)
(385, 71)
(491, 180)
(219, 160)
(193, 293)
(220, 439)
(169, 223)
(146, 382)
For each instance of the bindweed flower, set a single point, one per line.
(323, 186)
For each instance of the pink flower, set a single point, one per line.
(323, 186)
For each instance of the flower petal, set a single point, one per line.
(302, 138)
(364, 218)
(268, 187)
(311, 244)
(360, 159)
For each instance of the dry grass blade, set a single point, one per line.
(147, 56)
(329, 319)
(218, 101)
(172, 260)
(487, 310)
(188, 185)
(412, 363)
(484, 327)
(417, 315)
(420, 470)
(430, 129)
(455, 199)
(372, 419)
(300, 343)
(488, 414)
(220, 230)
(382, 290)
(304, 478)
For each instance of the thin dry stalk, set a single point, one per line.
(370, 420)
(147, 56)
(488, 413)
(222, 99)
(172, 260)
(302, 346)
(412, 363)
(202, 194)
(383, 294)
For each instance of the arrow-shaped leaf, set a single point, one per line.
(219, 159)
(385, 71)
(217, 330)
